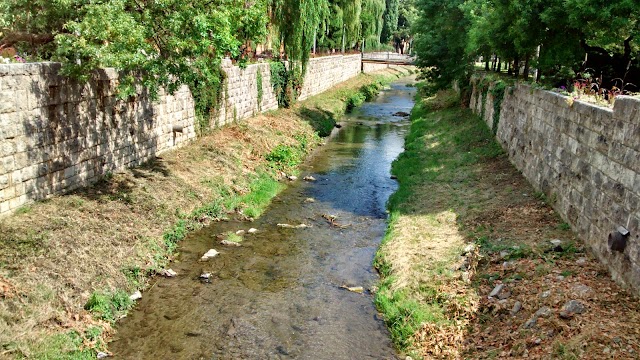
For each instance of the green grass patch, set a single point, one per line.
(59, 347)
(233, 237)
(284, 157)
(404, 315)
(443, 146)
(108, 306)
(263, 188)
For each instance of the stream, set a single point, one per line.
(279, 295)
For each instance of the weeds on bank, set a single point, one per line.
(426, 301)
(109, 306)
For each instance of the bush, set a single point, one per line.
(354, 100)
(370, 91)
(283, 157)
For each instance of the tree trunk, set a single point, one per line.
(499, 65)
(509, 71)
(525, 74)
(516, 66)
(11, 38)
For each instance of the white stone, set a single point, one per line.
(136, 296)
(210, 254)
(556, 242)
(252, 231)
(168, 273)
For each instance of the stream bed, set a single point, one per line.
(280, 294)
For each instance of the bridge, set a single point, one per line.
(388, 58)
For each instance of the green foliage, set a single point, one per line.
(444, 141)
(440, 42)
(233, 237)
(564, 226)
(352, 23)
(322, 121)
(152, 45)
(298, 22)
(497, 91)
(286, 84)
(108, 306)
(259, 87)
(174, 235)
(354, 100)
(403, 315)
(390, 20)
(263, 188)
(451, 33)
(370, 91)
(407, 16)
(284, 157)
(372, 23)
(135, 275)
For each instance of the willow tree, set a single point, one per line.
(372, 22)
(351, 10)
(330, 33)
(342, 26)
(298, 21)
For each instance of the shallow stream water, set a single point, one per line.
(279, 295)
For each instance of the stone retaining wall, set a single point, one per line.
(57, 135)
(585, 158)
(325, 72)
(240, 97)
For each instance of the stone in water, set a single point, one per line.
(210, 254)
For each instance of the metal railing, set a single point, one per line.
(388, 57)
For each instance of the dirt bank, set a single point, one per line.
(476, 264)
(69, 264)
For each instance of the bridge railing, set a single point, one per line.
(390, 57)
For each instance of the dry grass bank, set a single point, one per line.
(92, 248)
(465, 221)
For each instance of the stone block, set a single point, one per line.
(15, 203)
(627, 108)
(8, 102)
(4, 205)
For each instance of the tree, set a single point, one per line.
(390, 21)
(402, 37)
(352, 10)
(441, 41)
(298, 22)
(372, 22)
(162, 43)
